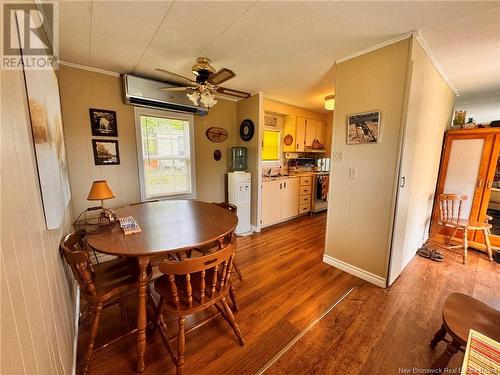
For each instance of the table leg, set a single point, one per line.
(141, 312)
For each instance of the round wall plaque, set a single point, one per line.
(216, 134)
(288, 140)
(247, 129)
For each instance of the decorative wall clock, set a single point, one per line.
(216, 134)
(247, 129)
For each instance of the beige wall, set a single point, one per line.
(37, 303)
(429, 110)
(252, 108)
(84, 89)
(81, 90)
(360, 210)
(211, 175)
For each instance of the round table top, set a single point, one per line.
(167, 226)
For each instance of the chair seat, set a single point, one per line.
(116, 273)
(161, 286)
(464, 223)
(461, 313)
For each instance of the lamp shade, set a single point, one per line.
(330, 102)
(99, 191)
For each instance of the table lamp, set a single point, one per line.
(100, 191)
(106, 218)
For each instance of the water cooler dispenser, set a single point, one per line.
(239, 194)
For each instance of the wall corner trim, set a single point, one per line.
(353, 270)
(423, 43)
(375, 47)
(90, 68)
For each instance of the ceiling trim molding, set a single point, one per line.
(423, 43)
(90, 68)
(375, 47)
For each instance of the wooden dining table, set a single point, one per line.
(167, 227)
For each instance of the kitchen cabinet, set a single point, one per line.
(290, 128)
(315, 129)
(300, 134)
(271, 201)
(305, 186)
(304, 131)
(289, 202)
(279, 200)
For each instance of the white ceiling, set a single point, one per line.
(285, 49)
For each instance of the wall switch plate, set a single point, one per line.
(338, 156)
(353, 173)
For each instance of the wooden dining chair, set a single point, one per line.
(461, 313)
(450, 216)
(190, 286)
(227, 239)
(101, 286)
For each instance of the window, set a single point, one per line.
(271, 146)
(165, 153)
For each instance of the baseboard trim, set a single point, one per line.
(255, 228)
(353, 270)
(76, 327)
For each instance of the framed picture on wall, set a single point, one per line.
(106, 152)
(363, 128)
(103, 123)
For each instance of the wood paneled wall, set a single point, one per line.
(360, 210)
(81, 90)
(37, 299)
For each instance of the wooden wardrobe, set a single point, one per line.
(469, 166)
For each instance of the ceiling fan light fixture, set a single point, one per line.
(202, 63)
(194, 97)
(330, 102)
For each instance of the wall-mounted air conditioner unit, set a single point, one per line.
(145, 92)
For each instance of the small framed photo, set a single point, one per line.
(106, 152)
(103, 123)
(363, 128)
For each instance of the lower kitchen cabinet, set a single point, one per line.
(279, 200)
(289, 193)
(271, 201)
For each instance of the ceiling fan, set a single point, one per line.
(206, 84)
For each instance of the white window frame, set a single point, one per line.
(138, 111)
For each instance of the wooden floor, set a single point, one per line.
(286, 287)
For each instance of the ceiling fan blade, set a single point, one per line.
(221, 76)
(174, 88)
(177, 79)
(231, 92)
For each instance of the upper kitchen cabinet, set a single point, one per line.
(300, 128)
(315, 130)
(303, 132)
(289, 130)
(300, 134)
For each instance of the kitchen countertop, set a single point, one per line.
(294, 174)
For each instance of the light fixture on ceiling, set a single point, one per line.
(203, 95)
(330, 102)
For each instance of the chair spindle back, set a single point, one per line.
(450, 207)
(73, 248)
(210, 272)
